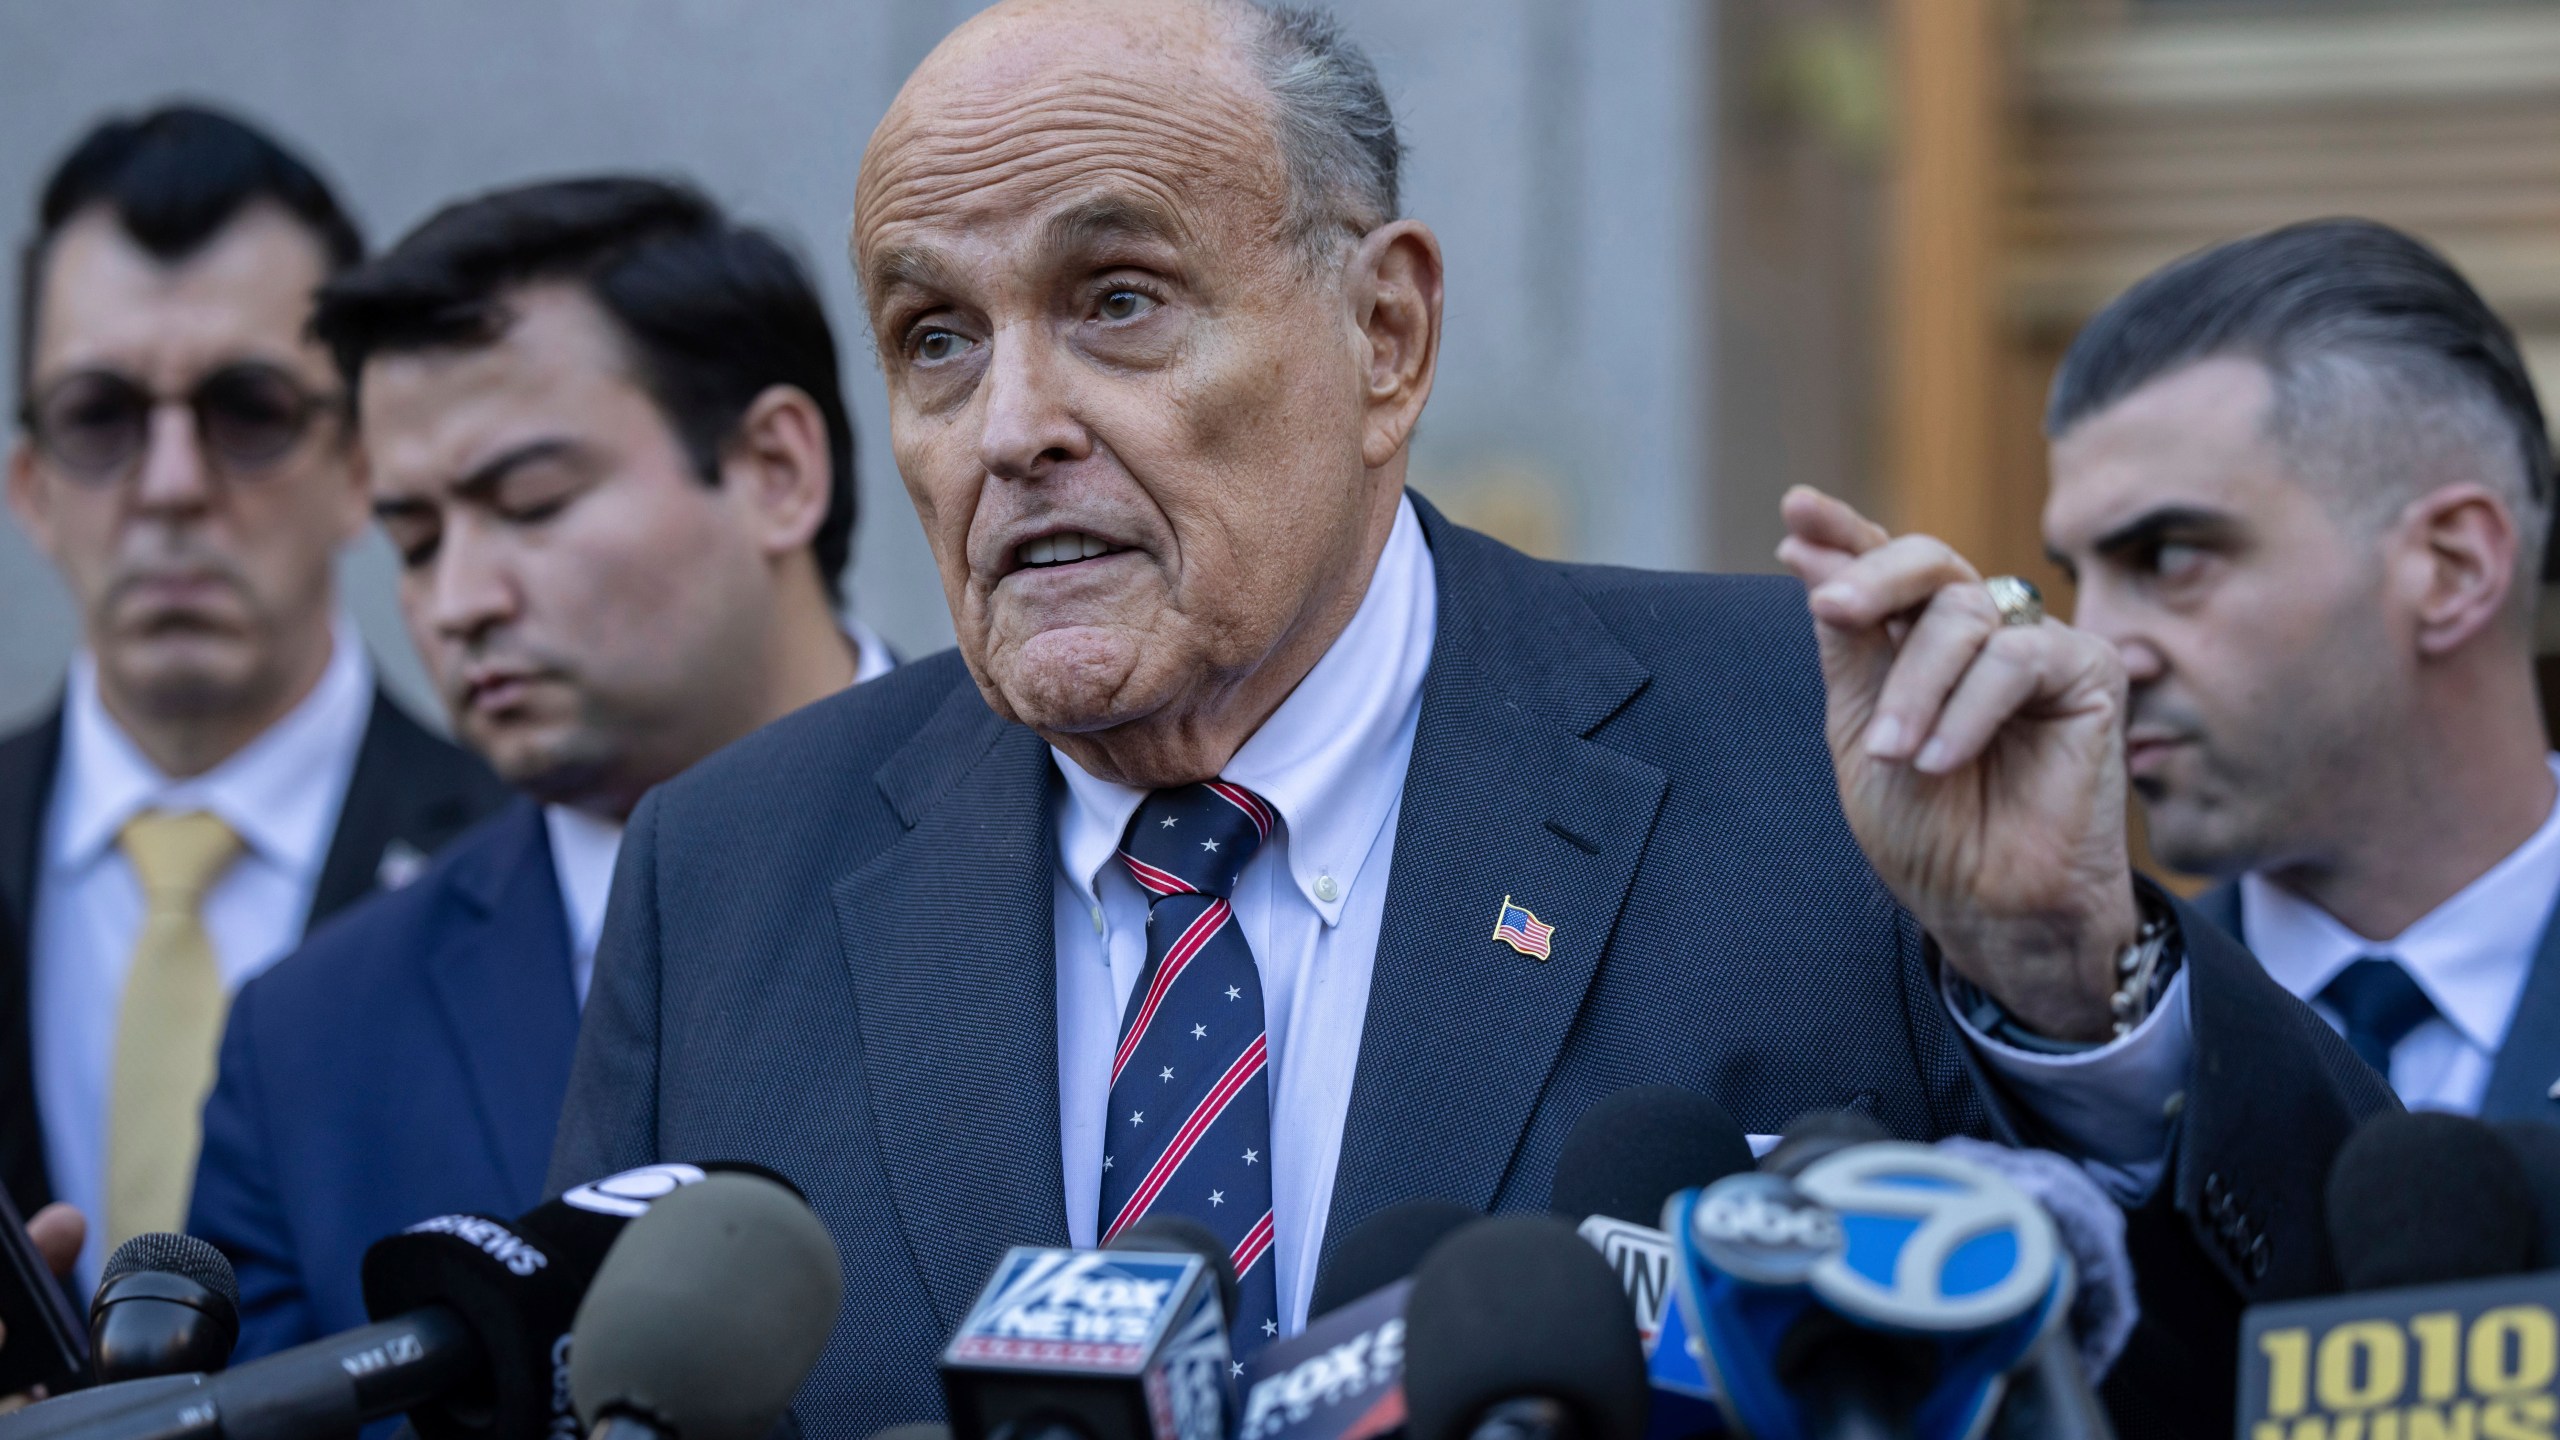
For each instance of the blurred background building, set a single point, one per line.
(1699, 250)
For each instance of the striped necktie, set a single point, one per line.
(1189, 1131)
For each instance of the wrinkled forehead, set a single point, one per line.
(1059, 131)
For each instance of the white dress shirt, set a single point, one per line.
(584, 846)
(1332, 760)
(281, 794)
(2471, 955)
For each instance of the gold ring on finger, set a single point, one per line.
(2018, 600)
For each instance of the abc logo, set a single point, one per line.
(1929, 1241)
(1761, 1230)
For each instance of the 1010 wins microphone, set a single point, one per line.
(706, 1315)
(2434, 1223)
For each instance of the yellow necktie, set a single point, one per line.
(169, 1025)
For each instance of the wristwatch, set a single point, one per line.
(2143, 972)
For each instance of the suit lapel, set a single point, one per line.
(408, 789)
(2528, 1064)
(1505, 798)
(948, 935)
(28, 761)
(501, 975)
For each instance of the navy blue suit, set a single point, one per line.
(829, 950)
(407, 1061)
(2524, 1081)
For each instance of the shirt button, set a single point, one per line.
(1326, 890)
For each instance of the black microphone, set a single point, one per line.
(2536, 1147)
(2426, 1197)
(1634, 1149)
(168, 1305)
(1384, 1249)
(706, 1315)
(471, 1343)
(1518, 1330)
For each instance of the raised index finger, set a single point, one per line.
(1832, 524)
(1898, 576)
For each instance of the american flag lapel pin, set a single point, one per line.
(1522, 931)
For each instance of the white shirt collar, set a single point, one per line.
(264, 793)
(2471, 954)
(1317, 759)
(871, 653)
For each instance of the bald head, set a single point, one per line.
(1279, 90)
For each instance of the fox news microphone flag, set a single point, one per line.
(1109, 1344)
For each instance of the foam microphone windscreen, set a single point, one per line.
(1636, 1148)
(1171, 1234)
(1384, 1249)
(1520, 1307)
(2425, 1198)
(1819, 1133)
(174, 1255)
(2537, 1149)
(709, 1311)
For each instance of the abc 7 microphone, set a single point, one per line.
(1887, 1289)
(470, 1339)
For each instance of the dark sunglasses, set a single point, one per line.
(95, 424)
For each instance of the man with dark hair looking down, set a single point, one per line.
(222, 768)
(607, 438)
(1273, 850)
(2304, 484)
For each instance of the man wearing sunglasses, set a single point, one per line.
(221, 768)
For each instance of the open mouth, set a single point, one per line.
(1067, 547)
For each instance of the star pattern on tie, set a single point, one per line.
(1203, 1160)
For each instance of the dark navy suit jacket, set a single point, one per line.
(411, 793)
(407, 1061)
(829, 950)
(2524, 1081)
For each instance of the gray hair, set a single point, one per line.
(1337, 133)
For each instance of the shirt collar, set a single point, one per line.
(1330, 760)
(872, 656)
(2471, 954)
(265, 793)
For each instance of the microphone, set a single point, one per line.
(1384, 1249)
(2446, 1329)
(1108, 1344)
(1818, 1133)
(167, 1305)
(1888, 1289)
(1173, 1234)
(706, 1315)
(1342, 1378)
(1517, 1330)
(471, 1339)
(1625, 1159)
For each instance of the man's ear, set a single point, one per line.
(780, 467)
(27, 497)
(1394, 281)
(2457, 564)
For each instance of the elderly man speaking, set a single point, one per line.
(1273, 850)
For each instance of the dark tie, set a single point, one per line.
(2380, 1005)
(1190, 1122)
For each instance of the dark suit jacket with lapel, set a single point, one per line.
(2524, 1082)
(408, 1061)
(829, 950)
(409, 788)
